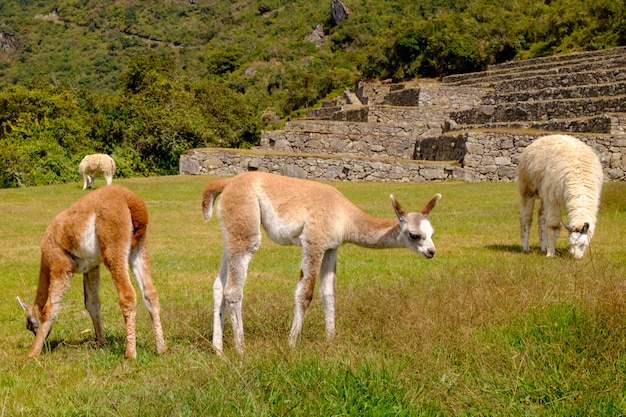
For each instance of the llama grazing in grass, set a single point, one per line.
(106, 226)
(299, 212)
(564, 173)
(96, 164)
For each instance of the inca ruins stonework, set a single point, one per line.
(472, 127)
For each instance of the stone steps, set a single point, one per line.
(564, 59)
(555, 93)
(541, 110)
(541, 81)
(610, 123)
(567, 63)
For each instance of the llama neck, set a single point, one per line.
(372, 232)
(582, 207)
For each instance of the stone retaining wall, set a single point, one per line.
(580, 91)
(494, 156)
(444, 97)
(485, 156)
(413, 128)
(223, 162)
(357, 144)
(555, 80)
(540, 110)
(614, 124)
(368, 145)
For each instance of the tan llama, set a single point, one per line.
(109, 226)
(305, 213)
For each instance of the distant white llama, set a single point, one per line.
(305, 213)
(95, 164)
(107, 226)
(564, 173)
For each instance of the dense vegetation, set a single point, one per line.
(146, 80)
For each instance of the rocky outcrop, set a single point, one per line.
(338, 12)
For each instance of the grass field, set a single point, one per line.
(481, 329)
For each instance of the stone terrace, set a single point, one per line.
(468, 126)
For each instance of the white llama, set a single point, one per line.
(95, 164)
(106, 226)
(299, 212)
(564, 173)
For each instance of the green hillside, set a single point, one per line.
(145, 80)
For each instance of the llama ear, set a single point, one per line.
(400, 213)
(430, 205)
(25, 306)
(585, 228)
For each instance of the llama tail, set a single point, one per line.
(212, 190)
(139, 218)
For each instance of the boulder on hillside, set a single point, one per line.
(317, 36)
(338, 11)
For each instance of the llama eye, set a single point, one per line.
(413, 236)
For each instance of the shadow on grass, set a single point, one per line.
(115, 344)
(559, 252)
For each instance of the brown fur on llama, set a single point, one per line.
(107, 226)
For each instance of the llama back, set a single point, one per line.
(560, 166)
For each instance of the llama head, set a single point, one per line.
(32, 316)
(415, 229)
(579, 239)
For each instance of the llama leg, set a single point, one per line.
(108, 178)
(233, 294)
(541, 217)
(552, 227)
(309, 270)
(140, 264)
(328, 290)
(219, 304)
(58, 287)
(127, 300)
(91, 287)
(526, 217)
(85, 181)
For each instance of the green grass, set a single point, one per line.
(481, 329)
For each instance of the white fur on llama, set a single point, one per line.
(96, 164)
(564, 173)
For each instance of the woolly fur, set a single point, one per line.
(564, 173)
(96, 164)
